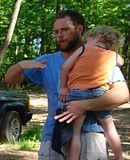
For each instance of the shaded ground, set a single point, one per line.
(121, 117)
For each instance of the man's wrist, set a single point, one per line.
(86, 105)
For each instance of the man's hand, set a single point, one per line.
(32, 64)
(74, 110)
(15, 74)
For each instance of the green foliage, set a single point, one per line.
(32, 134)
(27, 145)
(33, 88)
(33, 33)
(30, 138)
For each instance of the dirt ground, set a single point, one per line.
(121, 117)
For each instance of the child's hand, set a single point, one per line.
(63, 94)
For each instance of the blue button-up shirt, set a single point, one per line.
(49, 78)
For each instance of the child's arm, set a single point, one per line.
(119, 60)
(67, 66)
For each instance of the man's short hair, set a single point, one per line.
(75, 17)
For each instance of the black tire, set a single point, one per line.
(12, 126)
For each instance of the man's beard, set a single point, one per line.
(71, 45)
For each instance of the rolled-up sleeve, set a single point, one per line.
(116, 75)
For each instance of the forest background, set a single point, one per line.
(33, 33)
(33, 36)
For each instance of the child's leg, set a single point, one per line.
(74, 145)
(112, 137)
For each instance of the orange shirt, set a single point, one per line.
(92, 68)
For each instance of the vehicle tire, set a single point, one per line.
(12, 126)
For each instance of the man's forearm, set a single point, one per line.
(14, 74)
(117, 95)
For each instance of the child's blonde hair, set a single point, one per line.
(109, 36)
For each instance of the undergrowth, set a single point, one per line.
(29, 140)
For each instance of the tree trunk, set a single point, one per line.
(10, 32)
(125, 53)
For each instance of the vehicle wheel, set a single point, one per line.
(12, 126)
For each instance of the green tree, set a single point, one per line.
(8, 38)
(33, 33)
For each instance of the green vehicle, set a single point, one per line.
(14, 113)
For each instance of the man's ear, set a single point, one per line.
(80, 29)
